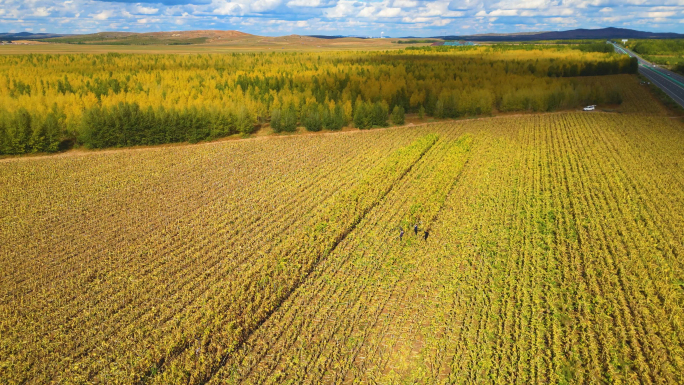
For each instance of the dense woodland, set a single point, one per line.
(657, 46)
(51, 102)
(669, 52)
(590, 46)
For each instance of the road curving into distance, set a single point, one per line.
(671, 83)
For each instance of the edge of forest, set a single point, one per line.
(82, 151)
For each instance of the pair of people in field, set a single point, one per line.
(426, 233)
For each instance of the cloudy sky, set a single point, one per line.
(339, 17)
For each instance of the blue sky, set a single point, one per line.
(339, 17)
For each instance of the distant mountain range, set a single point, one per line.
(603, 33)
(218, 37)
(327, 36)
(27, 36)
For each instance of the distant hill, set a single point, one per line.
(151, 38)
(327, 37)
(234, 39)
(241, 39)
(26, 36)
(603, 33)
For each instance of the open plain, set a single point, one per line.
(548, 250)
(217, 207)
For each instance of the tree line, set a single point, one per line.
(48, 102)
(657, 46)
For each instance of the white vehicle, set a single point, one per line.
(590, 108)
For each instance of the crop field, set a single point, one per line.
(553, 254)
(256, 44)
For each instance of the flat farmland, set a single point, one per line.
(549, 250)
(247, 44)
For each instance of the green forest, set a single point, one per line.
(50, 103)
(668, 52)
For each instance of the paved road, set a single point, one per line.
(668, 81)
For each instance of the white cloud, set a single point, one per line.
(147, 21)
(563, 22)
(344, 17)
(145, 10)
(665, 8)
(343, 8)
(464, 5)
(660, 14)
(441, 22)
(104, 15)
(405, 3)
(228, 8)
(416, 19)
(439, 9)
(308, 3)
(503, 12)
(615, 19)
(241, 7)
(263, 5)
(389, 12)
(42, 11)
(547, 12)
(367, 12)
(524, 4)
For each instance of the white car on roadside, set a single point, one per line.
(590, 108)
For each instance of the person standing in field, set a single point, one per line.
(415, 228)
(426, 235)
(401, 233)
